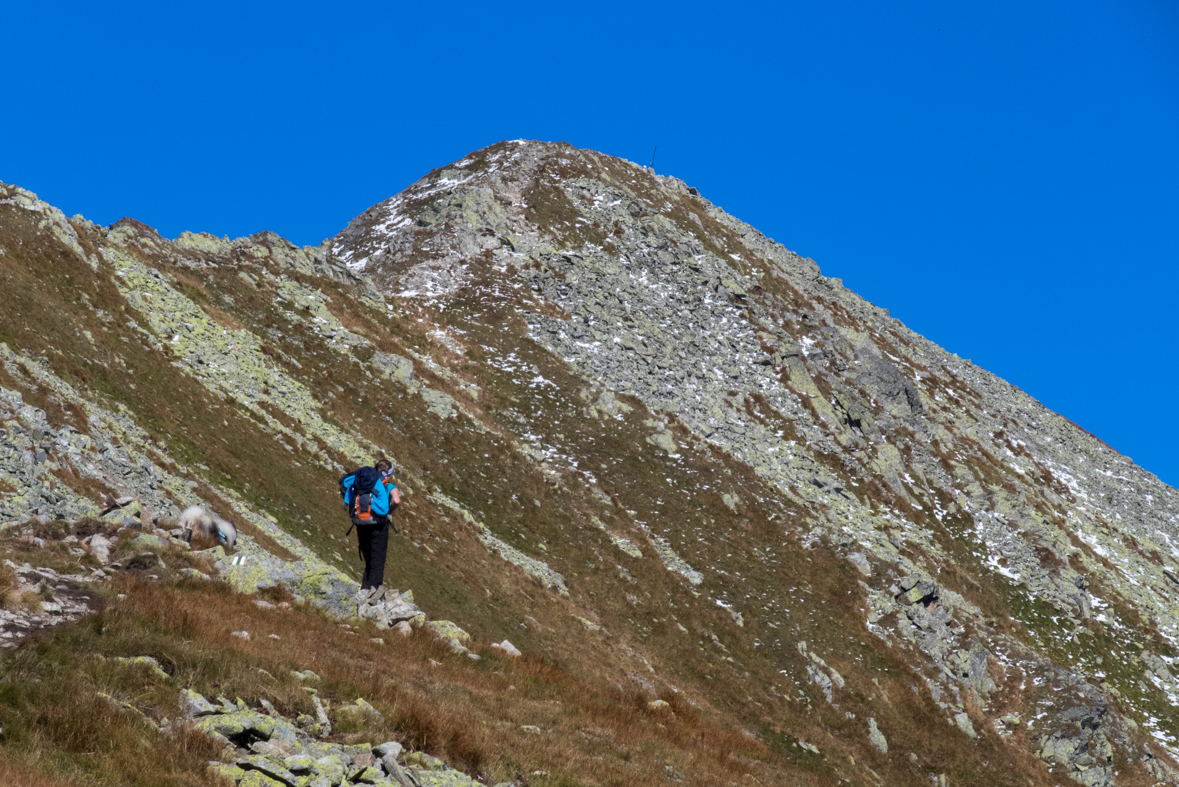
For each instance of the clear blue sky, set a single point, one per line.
(1003, 176)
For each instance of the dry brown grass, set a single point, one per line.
(8, 585)
(470, 713)
(18, 774)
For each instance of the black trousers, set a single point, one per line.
(374, 543)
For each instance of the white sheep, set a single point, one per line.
(203, 531)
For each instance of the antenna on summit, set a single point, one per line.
(651, 166)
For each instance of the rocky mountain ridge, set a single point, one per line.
(648, 413)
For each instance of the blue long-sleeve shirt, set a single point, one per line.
(382, 497)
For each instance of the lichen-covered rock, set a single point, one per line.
(284, 732)
(231, 772)
(448, 778)
(299, 763)
(421, 761)
(673, 561)
(367, 774)
(451, 633)
(965, 724)
(360, 711)
(331, 767)
(229, 725)
(223, 725)
(194, 705)
(257, 778)
(663, 440)
(876, 737)
(439, 403)
(269, 767)
(626, 545)
(148, 542)
(148, 663)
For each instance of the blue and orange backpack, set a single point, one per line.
(356, 490)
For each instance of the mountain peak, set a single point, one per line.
(639, 440)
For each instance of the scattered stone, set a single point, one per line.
(150, 663)
(398, 774)
(325, 725)
(507, 648)
(450, 633)
(876, 737)
(448, 778)
(280, 753)
(664, 441)
(268, 767)
(360, 711)
(149, 542)
(589, 624)
(194, 705)
(964, 724)
(192, 573)
(388, 749)
(145, 562)
(100, 546)
(386, 608)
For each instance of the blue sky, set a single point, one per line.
(1004, 177)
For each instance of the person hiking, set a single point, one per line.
(370, 496)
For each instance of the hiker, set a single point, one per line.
(371, 496)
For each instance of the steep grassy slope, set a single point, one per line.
(658, 452)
